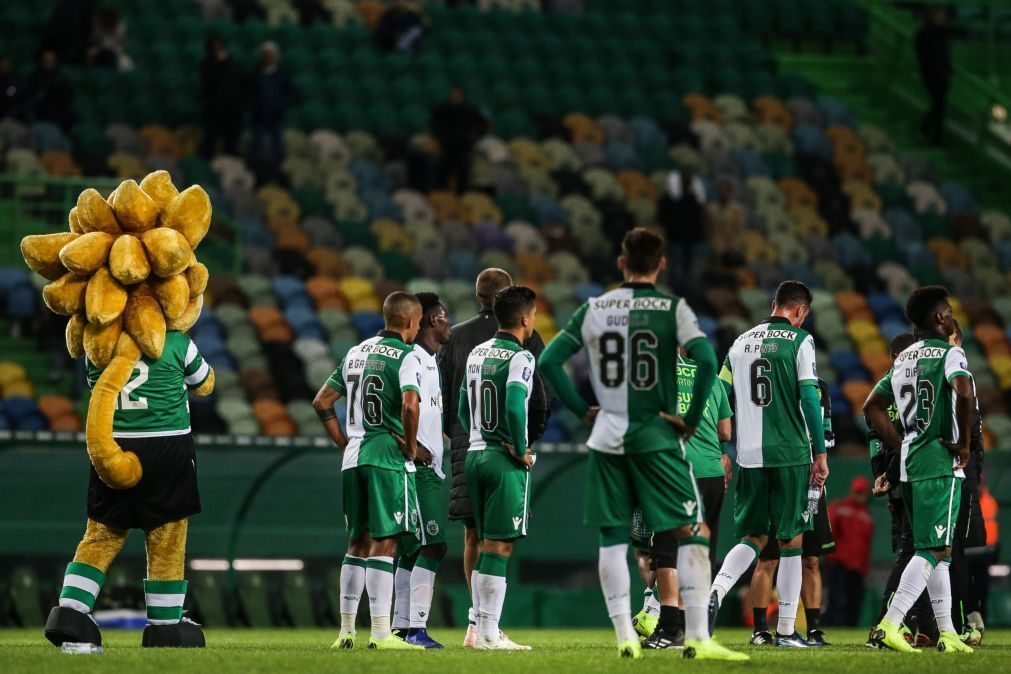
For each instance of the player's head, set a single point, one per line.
(515, 309)
(900, 343)
(955, 338)
(489, 282)
(642, 254)
(792, 302)
(860, 488)
(434, 319)
(402, 313)
(929, 311)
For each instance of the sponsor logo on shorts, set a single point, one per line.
(517, 521)
(414, 518)
(806, 515)
(939, 530)
(432, 527)
(689, 506)
(399, 516)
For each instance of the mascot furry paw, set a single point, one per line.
(127, 276)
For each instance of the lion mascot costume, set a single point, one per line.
(127, 276)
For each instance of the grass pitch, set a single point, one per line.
(236, 650)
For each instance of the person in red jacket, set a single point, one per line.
(853, 528)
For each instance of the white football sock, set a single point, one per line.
(379, 584)
(422, 589)
(492, 590)
(911, 585)
(612, 565)
(939, 589)
(352, 583)
(788, 583)
(693, 580)
(401, 598)
(652, 605)
(475, 600)
(738, 561)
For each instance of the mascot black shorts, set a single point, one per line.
(166, 492)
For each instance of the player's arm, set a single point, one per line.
(410, 410)
(197, 372)
(564, 346)
(810, 405)
(701, 351)
(876, 413)
(521, 374)
(826, 416)
(957, 372)
(329, 393)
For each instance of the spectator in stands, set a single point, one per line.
(311, 11)
(457, 125)
(10, 87)
(244, 10)
(49, 94)
(726, 219)
(108, 39)
(401, 28)
(933, 52)
(66, 32)
(853, 528)
(271, 94)
(680, 213)
(223, 90)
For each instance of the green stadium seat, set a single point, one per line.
(26, 596)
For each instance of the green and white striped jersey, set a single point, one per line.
(767, 365)
(348, 377)
(155, 400)
(920, 384)
(704, 449)
(631, 335)
(493, 367)
(391, 369)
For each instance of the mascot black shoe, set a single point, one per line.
(65, 625)
(183, 634)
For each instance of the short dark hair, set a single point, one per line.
(642, 250)
(922, 305)
(397, 307)
(511, 303)
(792, 293)
(900, 343)
(429, 302)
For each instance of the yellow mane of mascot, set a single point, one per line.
(125, 273)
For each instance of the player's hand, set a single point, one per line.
(591, 415)
(960, 452)
(881, 486)
(819, 469)
(409, 455)
(728, 474)
(527, 460)
(683, 429)
(423, 456)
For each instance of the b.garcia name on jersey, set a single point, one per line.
(633, 304)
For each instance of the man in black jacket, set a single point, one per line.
(452, 363)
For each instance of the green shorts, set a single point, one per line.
(499, 490)
(431, 506)
(355, 503)
(932, 509)
(390, 500)
(767, 498)
(661, 483)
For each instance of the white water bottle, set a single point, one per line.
(813, 495)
